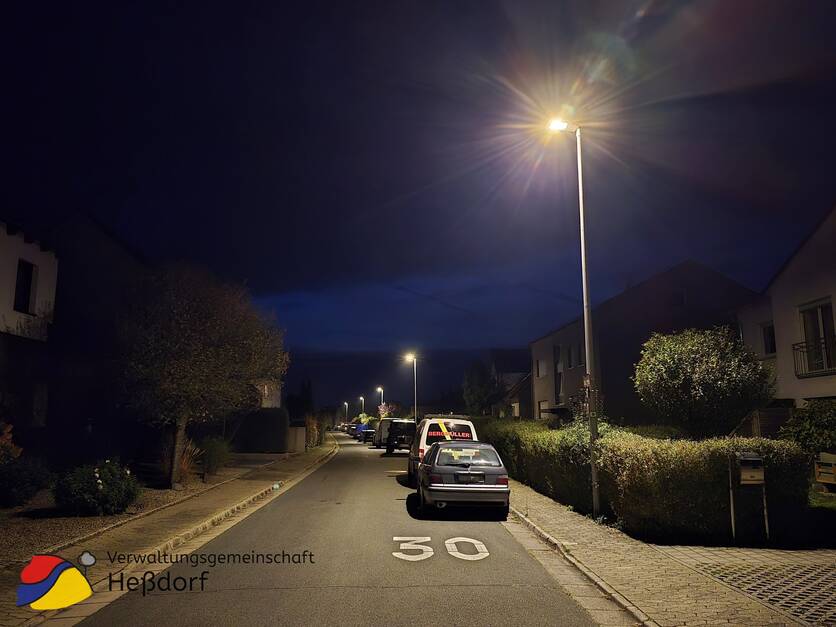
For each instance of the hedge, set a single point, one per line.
(657, 489)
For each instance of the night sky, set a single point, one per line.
(374, 172)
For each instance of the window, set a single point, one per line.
(768, 335)
(543, 409)
(470, 456)
(558, 375)
(817, 325)
(25, 287)
(515, 410)
(541, 368)
(445, 430)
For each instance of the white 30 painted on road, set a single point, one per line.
(416, 543)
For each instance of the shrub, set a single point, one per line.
(108, 488)
(20, 480)
(658, 432)
(215, 454)
(8, 450)
(679, 488)
(705, 381)
(813, 427)
(658, 488)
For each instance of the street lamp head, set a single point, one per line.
(557, 125)
(362, 399)
(345, 403)
(379, 389)
(409, 357)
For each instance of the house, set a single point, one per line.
(28, 277)
(511, 369)
(790, 325)
(689, 295)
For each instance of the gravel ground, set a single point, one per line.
(38, 526)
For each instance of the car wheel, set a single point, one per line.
(502, 512)
(389, 450)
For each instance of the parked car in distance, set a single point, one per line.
(400, 435)
(358, 431)
(463, 473)
(351, 429)
(368, 435)
(432, 429)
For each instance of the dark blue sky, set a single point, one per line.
(371, 168)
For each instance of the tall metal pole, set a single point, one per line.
(415, 385)
(362, 405)
(592, 405)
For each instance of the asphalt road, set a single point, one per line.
(347, 514)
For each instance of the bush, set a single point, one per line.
(813, 427)
(108, 488)
(678, 489)
(215, 454)
(657, 488)
(8, 450)
(705, 381)
(20, 480)
(658, 432)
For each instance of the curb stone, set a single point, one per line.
(602, 585)
(167, 546)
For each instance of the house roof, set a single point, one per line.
(507, 360)
(684, 266)
(799, 248)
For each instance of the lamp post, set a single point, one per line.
(414, 359)
(380, 389)
(557, 125)
(362, 405)
(346, 409)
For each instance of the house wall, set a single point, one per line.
(14, 247)
(810, 276)
(687, 296)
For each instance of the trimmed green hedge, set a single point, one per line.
(660, 489)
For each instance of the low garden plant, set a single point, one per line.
(215, 454)
(21, 479)
(103, 489)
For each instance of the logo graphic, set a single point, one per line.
(49, 582)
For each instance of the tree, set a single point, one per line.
(703, 380)
(813, 427)
(480, 390)
(193, 349)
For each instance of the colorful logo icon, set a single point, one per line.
(49, 582)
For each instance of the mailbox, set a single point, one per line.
(751, 468)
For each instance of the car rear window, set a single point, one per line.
(447, 430)
(402, 428)
(467, 456)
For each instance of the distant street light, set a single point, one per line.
(380, 389)
(558, 125)
(362, 405)
(414, 359)
(346, 409)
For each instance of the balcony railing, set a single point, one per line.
(815, 359)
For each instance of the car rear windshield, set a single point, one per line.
(447, 430)
(402, 428)
(467, 457)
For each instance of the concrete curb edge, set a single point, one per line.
(602, 585)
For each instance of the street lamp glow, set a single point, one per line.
(557, 125)
(409, 357)
(379, 389)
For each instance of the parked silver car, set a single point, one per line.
(463, 473)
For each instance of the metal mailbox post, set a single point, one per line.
(747, 470)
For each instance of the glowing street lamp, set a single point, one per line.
(411, 357)
(558, 125)
(362, 405)
(380, 389)
(346, 409)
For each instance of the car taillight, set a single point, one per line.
(502, 480)
(420, 453)
(436, 479)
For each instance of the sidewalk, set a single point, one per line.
(167, 527)
(682, 585)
